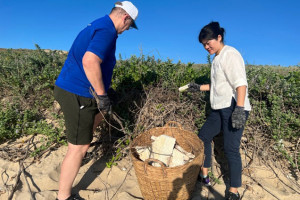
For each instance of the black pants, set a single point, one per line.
(79, 113)
(221, 120)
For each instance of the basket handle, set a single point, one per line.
(163, 167)
(175, 124)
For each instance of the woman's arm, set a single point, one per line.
(241, 94)
(205, 87)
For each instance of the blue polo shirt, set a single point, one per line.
(98, 37)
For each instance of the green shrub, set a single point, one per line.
(27, 79)
(274, 95)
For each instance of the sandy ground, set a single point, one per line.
(96, 182)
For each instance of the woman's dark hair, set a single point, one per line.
(211, 31)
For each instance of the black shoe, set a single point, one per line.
(74, 197)
(204, 181)
(233, 196)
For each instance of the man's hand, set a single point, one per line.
(194, 87)
(103, 103)
(238, 117)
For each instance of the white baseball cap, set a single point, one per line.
(131, 10)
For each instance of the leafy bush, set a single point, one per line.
(275, 99)
(14, 123)
(27, 78)
(27, 72)
(27, 81)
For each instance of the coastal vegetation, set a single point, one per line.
(145, 93)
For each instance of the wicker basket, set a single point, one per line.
(168, 182)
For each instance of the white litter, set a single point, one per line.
(163, 148)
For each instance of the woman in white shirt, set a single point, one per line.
(229, 102)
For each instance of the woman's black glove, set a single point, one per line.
(238, 117)
(194, 87)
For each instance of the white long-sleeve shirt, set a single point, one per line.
(227, 73)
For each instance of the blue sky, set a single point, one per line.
(266, 32)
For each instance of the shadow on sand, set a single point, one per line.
(92, 173)
(187, 182)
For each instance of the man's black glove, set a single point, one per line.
(103, 103)
(238, 117)
(194, 87)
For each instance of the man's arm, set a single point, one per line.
(92, 68)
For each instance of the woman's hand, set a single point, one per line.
(238, 117)
(194, 87)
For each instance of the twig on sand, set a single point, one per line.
(106, 189)
(245, 190)
(21, 169)
(5, 182)
(259, 184)
(15, 185)
(281, 180)
(122, 182)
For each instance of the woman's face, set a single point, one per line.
(213, 46)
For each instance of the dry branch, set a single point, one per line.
(25, 178)
(21, 170)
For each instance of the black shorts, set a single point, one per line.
(79, 114)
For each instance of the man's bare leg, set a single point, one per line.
(70, 168)
(72, 163)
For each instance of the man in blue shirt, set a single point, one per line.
(89, 64)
